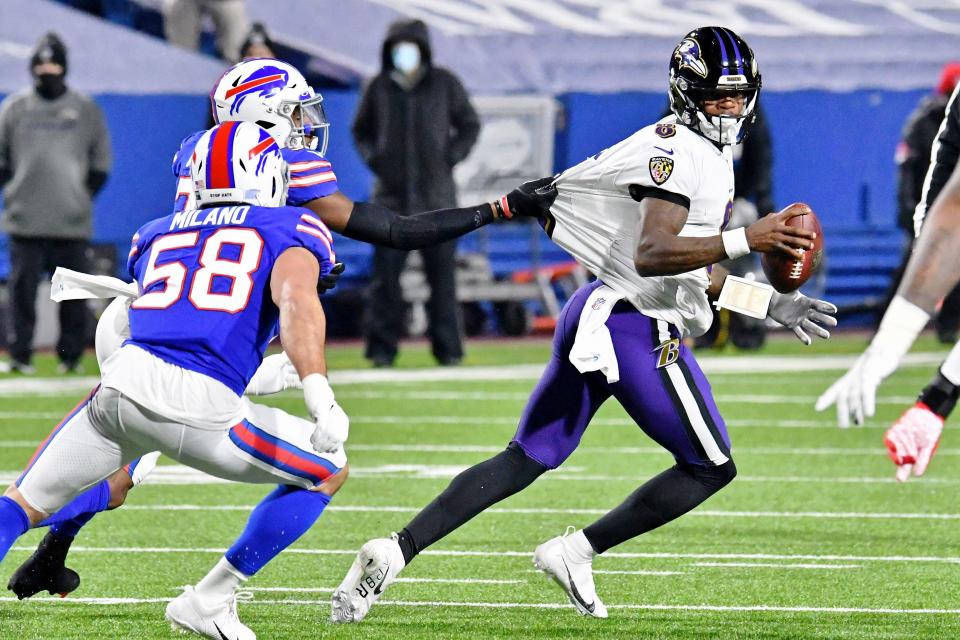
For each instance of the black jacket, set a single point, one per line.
(752, 173)
(913, 157)
(412, 137)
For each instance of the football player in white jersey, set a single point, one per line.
(647, 216)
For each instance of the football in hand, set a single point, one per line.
(785, 272)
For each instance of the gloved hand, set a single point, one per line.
(329, 281)
(333, 425)
(275, 374)
(532, 199)
(912, 440)
(855, 393)
(800, 313)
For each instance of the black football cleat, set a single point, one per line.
(45, 570)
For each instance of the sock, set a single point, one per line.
(477, 488)
(274, 524)
(220, 584)
(580, 548)
(13, 524)
(662, 499)
(940, 395)
(70, 519)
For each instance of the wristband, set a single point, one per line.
(317, 394)
(502, 205)
(735, 242)
(901, 325)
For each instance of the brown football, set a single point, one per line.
(785, 272)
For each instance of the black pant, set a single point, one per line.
(386, 307)
(31, 259)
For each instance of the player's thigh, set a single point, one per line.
(83, 449)
(564, 400)
(664, 390)
(267, 446)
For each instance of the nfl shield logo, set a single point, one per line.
(660, 169)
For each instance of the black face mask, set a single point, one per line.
(50, 85)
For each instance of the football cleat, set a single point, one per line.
(373, 570)
(45, 570)
(575, 577)
(187, 612)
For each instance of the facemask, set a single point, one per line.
(406, 57)
(50, 85)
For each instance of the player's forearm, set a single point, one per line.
(381, 226)
(303, 329)
(934, 267)
(665, 254)
(717, 277)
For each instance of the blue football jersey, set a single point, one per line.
(204, 276)
(311, 175)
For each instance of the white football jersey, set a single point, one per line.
(594, 215)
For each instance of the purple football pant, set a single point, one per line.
(672, 402)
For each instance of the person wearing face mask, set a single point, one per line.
(54, 158)
(414, 123)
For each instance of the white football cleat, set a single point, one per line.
(187, 612)
(555, 558)
(373, 570)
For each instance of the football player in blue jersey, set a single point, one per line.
(222, 279)
(275, 96)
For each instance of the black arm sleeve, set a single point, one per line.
(381, 226)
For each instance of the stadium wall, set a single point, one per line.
(832, 150)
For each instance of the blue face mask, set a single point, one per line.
(406, 57)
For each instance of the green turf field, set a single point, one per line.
(812, 540)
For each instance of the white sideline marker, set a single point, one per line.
(775, 565)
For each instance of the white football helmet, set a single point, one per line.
(276, 96)
(238, 162)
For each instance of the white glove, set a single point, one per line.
(802, 314)
(333, 425)
(912, 440)
(856, 392)
(275, 374)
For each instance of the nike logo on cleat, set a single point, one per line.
(573, 587)
(377, 589)
(217, 627)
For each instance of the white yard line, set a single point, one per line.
(707, 513)
(762, 608)
(776, 565)
(664, 555)
(718, 365)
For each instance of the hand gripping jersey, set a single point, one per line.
(204, 277)
(594, 215)
(311, 176)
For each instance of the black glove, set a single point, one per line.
(532, 199)
(329, 281)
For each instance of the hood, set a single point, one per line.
(412, 30)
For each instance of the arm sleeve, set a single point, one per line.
(943, 156)
(466, 123)
(383, 227)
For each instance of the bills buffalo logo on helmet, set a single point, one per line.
(666, 130)
(264, 82)
(660, 169)
(688, 55)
